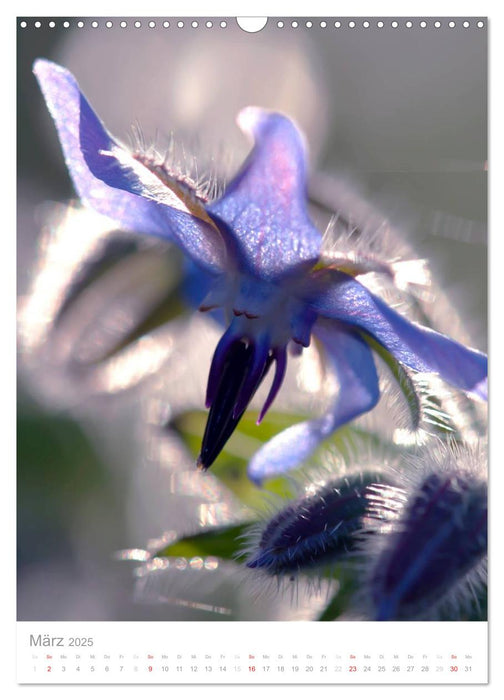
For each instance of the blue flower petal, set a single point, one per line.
(343, 298)
(265, 205)
(108, 179)
(352, 360)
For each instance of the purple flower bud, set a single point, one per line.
(321, 527)
(439, 539)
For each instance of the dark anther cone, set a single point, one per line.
(239, 362)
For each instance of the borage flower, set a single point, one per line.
(259, 255)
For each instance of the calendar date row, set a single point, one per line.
(195, 668)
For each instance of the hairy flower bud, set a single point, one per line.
(438, 544)
(323, 526)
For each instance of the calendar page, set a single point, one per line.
(252, 374)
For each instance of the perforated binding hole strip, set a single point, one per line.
(253, 25)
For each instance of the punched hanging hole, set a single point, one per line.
(252, 24)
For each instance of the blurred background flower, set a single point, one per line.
(395, 122)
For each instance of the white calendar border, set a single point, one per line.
(303, 652)
(388, 8)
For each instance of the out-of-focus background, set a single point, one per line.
(393, 116)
